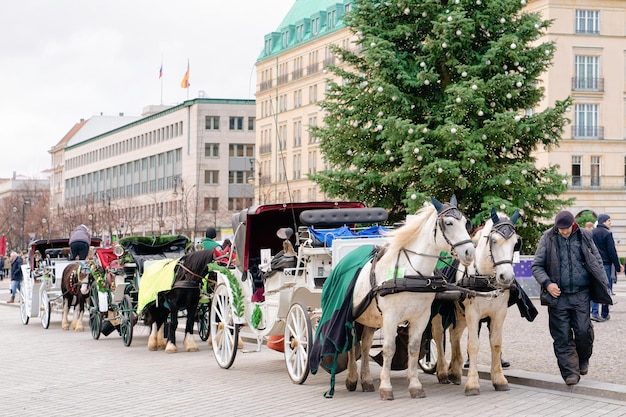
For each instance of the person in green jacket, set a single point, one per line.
(208, 243)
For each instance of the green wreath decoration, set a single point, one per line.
(235, 289)
(98, 276)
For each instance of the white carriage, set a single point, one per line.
(275, 289)
(41, 288)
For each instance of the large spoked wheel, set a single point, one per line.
(298, 337)
(45, 310)
(428, 362)
(23, 309)
(203, 321)
(95, 318)
(224, 331)
(126, 322)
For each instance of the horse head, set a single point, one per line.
(495, 247)
(85, 278)
(454, 230)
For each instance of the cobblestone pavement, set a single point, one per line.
(58, 372)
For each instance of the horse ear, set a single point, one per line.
(494, 216)
(515, 216)
(436, 203)
(453, 200)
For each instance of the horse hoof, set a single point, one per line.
(455, 379)
(501, 387)
(443, 379)
(417, 393)
(171, 348)
(386, 394)
(351, 385)
(152, 348)
(66, 327)
(193, 349)
(472, 391)
(368, 386)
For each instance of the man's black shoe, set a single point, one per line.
(572, 380)
(595, 317)
(584, 368)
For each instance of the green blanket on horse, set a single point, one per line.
(157, 277)
(335, 332)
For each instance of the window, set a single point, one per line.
(240, 150)
(297, 99)
(235, 123)
(211, 150)
(312, 124)
(251, 123)
(211, 203)
(595, 170)
(285, 39)
(586, 126)
(312, 94)
(268, 46)
(282, 137)
(212, 123)
(625, 171)
(588, 21)
(211, 177)
(315, 26)
(297, 133)
(238, 177)
(587, 72)
(577, 169)
(332, 19)
(299, 32)
(313, 162)
(297, 166)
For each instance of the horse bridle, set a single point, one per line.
(507, 230)
(454, 212)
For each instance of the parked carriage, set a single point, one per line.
(40, 292)
(274, 289)
(115, 298)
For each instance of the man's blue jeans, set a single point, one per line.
(605, 307)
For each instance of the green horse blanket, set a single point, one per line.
(335, 332)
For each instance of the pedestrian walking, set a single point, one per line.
(603, 238)
(16, 275)
(568, 267)
(1, 267)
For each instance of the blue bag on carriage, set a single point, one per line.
(324, 237)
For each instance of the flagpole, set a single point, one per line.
(161, 78)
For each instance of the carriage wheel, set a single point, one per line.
(428, 362)
(23, 309)
(44, 304)
(224, 331)
(126, 322)
(203, 321)
(95, 322)
(298, 336)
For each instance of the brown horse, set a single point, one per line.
(75, 285)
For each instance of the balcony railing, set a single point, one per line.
(588, 84)
(263, 149)
(588, 132)
(313, 68)
(598, 182)
(282, 79)
(296, 74)
(265, 85)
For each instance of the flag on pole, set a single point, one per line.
(185, 82)
(161, 71)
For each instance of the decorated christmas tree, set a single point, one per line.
(436, 98)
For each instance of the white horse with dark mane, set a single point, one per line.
(398, 287)
(487, 282)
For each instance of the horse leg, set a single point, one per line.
(189, 343)
(456, 356)
(437, 330)
(65, 325)
(353, 375)
(389, 331)
(152, 339)
(80, 305)
(416, 331)
(498, 379)
(472, 385)
(367, 339)
(171, 334)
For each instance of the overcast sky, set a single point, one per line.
(64, 60)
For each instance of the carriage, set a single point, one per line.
(274, 290)
(115, 297)
(41, 289)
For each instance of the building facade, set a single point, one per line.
(177, 170)
(589, 65)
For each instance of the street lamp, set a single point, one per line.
(178, 180)
(251, 177)
(24, 203)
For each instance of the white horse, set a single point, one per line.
(408, 259)
(489, 278)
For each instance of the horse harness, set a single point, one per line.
(191, 283)
(73, 282)
(412, 283)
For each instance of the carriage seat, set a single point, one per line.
(57, 252)
(339, 218)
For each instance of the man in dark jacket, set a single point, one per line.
(569, 269)
(603, 238)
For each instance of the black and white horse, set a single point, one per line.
(184, 294)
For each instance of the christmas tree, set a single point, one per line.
(434, 99)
